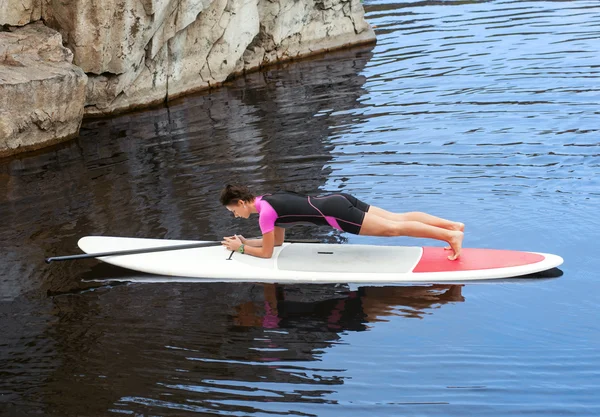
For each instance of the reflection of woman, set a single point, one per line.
(379, 301)
(341, 211)
(338, 310)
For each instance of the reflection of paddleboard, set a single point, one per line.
(308, 262)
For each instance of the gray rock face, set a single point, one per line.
(140, 52)
(186, 53)
(202, 54)
(20, 12)
(41, 93)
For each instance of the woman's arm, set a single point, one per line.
(264, 251)
(257, 243)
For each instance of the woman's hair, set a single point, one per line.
(234, 193)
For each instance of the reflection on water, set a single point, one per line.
(486, 112)
(210, 341)
(339, 310)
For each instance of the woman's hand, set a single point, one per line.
(233, 243)
(242, 238)
(261, 248)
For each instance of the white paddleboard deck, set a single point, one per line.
(319, 263)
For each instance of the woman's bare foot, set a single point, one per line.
(455, 242)
(458, 226)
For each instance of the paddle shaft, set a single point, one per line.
(132, 251)
(146, 250)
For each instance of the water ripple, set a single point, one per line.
(482, 111)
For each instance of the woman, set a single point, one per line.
(341, 211)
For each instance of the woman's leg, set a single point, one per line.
(419, 217)
(374, 225)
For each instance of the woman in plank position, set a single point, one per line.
(341, 211)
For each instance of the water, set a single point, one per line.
(483, 112)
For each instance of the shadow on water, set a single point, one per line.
(213, 345)
(543, 275)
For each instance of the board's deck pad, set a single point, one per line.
(348, 258)
(435, 259)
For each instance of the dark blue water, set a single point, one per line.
(482, 112)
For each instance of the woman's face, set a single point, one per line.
(239, 209)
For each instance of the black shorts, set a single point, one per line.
(344, 209)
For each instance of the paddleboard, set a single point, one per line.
(320, 263)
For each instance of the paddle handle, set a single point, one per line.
(132, 251)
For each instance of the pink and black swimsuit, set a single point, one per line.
(285, 209)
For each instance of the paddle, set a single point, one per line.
(149, 250)
(132, 251)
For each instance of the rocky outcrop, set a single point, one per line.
(140, 52)
(20, 12)
(41, 93)
(228, 37)
(199, 56)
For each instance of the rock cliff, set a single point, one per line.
(140, 52)
(42, 95)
